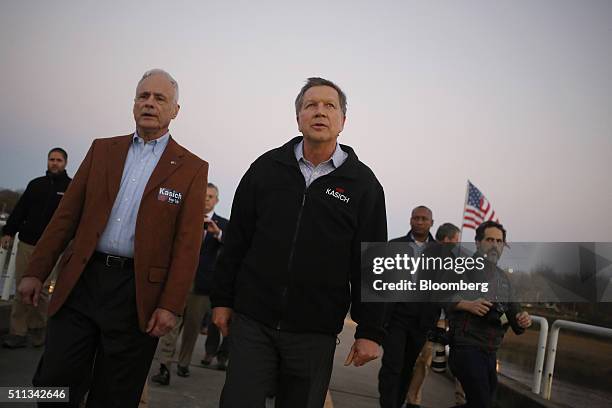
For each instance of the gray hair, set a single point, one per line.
(316, 81)
(446, 230)
(157, 71)
(211, 185)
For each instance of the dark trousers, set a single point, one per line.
(475, 370)
(294, 367)
(401, 347)
(94, 343)
(213, 338)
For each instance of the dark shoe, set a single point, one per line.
(182, 371)
(37, 337)
(207, 360)
(13, 341)
(221, 363)
(163, 378)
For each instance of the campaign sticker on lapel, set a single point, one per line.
(170, 196)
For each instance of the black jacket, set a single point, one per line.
(487, 332)
(422, 315)
(36, 207)
(208, 258)
(291, 256)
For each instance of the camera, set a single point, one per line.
(496, 311)
(438, 335)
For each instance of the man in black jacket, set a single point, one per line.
(290, 265)
(478, 324)
(407, 322)
(198, 300)
(30, 218)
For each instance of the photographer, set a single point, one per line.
(478, 325)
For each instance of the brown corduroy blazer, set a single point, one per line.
(167, 238)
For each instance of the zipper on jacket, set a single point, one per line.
(292, 252)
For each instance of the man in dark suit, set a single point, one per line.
(407, 323)
(198, 301)
(214, 346)
(134, 213)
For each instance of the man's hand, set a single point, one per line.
(5, 241)
(212, 227)
(29, 290)
(161, 322)
(523, 319)
(479, 307)
(221, 318)
(362, 351)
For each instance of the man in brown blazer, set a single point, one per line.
(134, 213)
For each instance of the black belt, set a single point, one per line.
(113, 261)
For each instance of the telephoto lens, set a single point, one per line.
(439, 338)
(438, 359)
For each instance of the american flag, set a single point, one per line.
(477, 208)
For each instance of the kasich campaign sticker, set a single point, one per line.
(170, 196)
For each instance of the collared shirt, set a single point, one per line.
(418, 246)
(118, 236)
(312, 172)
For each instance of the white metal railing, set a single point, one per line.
(539, 363)
(9, 278)
(552, 346)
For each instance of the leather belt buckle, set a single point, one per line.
(112, 261)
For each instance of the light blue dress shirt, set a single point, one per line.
(118, 236)
(312, 172)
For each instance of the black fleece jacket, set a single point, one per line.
(487, 332)
(36, 207)
(291, 255)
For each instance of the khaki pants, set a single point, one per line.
(190, 323)
(144, 397)
(167, 344)
(24, 317)
(421, 367)
(197, 306)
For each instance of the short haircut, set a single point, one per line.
(316, 81)
(157, 71)
(60, 151)
(423, 207)
(211, 185)
(480, 231)
(446, 230)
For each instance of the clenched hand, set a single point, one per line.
(362, 351)
(161, 322)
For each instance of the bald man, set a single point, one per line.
(407, 323)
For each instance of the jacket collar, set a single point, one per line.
(286, 155)
(61, 175)
(170, 160)
(409, 237)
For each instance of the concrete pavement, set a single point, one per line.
(351, 387)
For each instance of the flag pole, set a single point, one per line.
(467, 188)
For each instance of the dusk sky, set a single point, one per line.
(514, 95)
